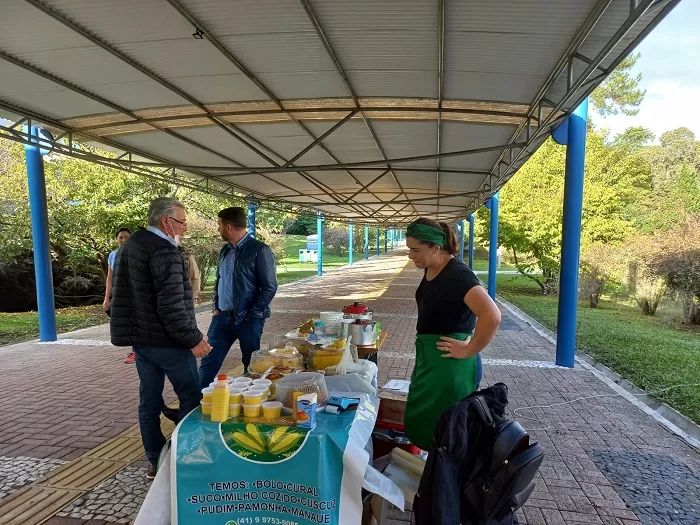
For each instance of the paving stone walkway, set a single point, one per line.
(607, 462)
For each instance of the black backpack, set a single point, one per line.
(503, 477)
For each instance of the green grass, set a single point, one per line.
(652, 352)
(18, 327)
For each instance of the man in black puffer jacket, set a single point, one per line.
(152, 310)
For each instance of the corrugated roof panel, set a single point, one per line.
(249, 17)
(286, 139)
(350, 143)
(460, 183)
(414, 15)
(458, 136)
(269, 186)
(219, 88)
(410, 180)
(280, 53)
(171, 148)
(27, 89)
(411, 84)
(96, 70)
(303, 84)
(27, 20)
(116, 21)
(408, 139)
(475, 85)
(407, 38)
(534, 17)
(219, 140)
(520, 54)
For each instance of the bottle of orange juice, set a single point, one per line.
(219, 400)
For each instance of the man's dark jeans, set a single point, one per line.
(223, 332)
(153, 364)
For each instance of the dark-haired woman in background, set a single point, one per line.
(456, 320)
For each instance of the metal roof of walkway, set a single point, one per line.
(371, 111)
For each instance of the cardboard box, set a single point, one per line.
(392, 402)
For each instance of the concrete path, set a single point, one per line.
(68, 414)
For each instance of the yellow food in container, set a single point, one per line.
(322, 358)
(234, 409)
(272, 409)
(206, 408)
(251, 410)
(252, 398)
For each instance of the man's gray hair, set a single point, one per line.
(162, 207)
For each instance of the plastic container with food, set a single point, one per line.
(288, 357)
(251, 410)
(322, 358)
(261, 361)
(253, 398)
(236, 395)
(306, 382)
(241, 382)
(272, 409)
(234, 409)
(262, 382)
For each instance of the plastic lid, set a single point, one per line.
(356, 308)
(222, 377)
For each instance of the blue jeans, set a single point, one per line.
(153, 364)
(479, 370)
(223, 332)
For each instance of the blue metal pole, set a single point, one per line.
(40, 240)
(386, 241)
(251, 218)
(378, 250)
(493, 245)
(366, 242)
(351, 231)
(571, 235)
(461, 240)
(471, 241)
(319, 243)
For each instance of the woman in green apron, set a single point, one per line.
(456, 320)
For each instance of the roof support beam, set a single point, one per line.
(379, 164)
(440, 89)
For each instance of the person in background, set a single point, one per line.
(153, 311)
(121, 237)
(246, 283)
(193, 273)
(456, 320)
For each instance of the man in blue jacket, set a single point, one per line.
(246, 283)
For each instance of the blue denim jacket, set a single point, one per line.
(254, 279)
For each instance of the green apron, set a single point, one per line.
(437, 383)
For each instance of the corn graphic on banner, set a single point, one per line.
(251, 473)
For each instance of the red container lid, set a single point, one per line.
(222, 377)
(356, 308)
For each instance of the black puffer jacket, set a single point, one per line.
(152, 302)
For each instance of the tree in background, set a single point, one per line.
(530, 220)
(620, 92)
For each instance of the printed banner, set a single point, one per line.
(245, 473)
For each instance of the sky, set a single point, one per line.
(670, 68)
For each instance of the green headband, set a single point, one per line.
(426, 233)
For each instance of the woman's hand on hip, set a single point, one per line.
(454, 348)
